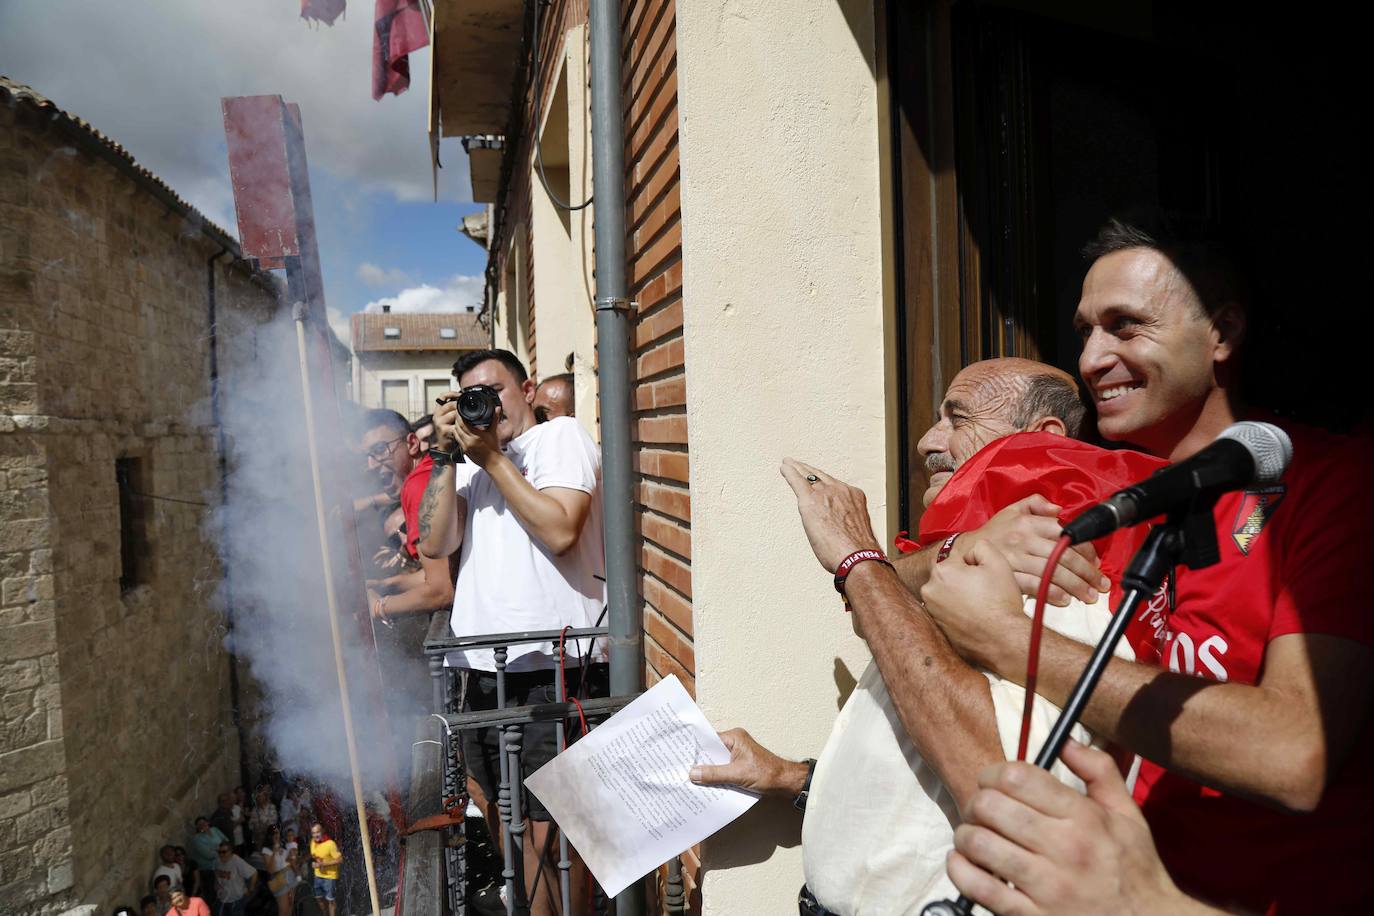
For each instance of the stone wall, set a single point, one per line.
(115, 708)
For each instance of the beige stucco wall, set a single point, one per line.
(784, 334)
(564, 318)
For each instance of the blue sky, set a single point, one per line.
(150, 75)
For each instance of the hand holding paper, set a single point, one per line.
(622, 794)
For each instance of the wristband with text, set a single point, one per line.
(854, 559)
(943, 554)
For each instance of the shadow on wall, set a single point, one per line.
(845, 682)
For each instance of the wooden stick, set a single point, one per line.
(334, 612)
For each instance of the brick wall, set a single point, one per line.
(654, 246)
(115, 722)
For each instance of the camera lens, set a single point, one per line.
(477, 405)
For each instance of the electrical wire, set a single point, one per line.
(1033, 653)
(557, 201)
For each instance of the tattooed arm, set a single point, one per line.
(442, 514)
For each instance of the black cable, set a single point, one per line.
(539, 137)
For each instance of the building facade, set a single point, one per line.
(404, 361)
(832, 207)
(120, 311)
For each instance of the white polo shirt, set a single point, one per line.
(508, 581)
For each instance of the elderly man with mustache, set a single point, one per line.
(906, 750)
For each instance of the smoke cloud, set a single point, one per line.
(270, 544)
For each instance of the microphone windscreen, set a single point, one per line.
(1268, 445)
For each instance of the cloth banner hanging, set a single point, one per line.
(399, 29)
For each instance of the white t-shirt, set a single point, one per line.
(879, 823)
(232, 877)
(173, 872)
(508, 581)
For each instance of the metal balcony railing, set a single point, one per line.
(511, 721)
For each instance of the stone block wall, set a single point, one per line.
(115, 708)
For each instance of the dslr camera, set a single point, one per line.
(477, 405)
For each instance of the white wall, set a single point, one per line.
(413, 368)
(564, 319)
(785, 325)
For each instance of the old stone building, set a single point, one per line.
(120, 306)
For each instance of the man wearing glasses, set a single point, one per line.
(393, 448)
(235, 882)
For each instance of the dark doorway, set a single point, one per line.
(1020, 127)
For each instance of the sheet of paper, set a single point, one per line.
(622, 796)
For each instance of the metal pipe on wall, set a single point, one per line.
(613, 354)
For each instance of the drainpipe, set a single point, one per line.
(221, 453)
(613, 352)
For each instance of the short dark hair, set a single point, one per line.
(415, 427)
(202, 818)
(394, 423)
(1050, 395)
(147, 899)
(1195, 246)
(160, 878)
(469, 361)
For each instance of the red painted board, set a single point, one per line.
(258, 171)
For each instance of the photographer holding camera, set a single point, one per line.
(521, 501)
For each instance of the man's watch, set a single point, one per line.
(800, 801)
(442, 457)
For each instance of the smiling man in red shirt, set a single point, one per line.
(1253, 719)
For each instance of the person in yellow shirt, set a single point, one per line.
(324, 853)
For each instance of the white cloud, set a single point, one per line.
(373, 275)
(457, 295)
(338, 321)
(150, 75)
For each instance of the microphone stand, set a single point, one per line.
(1188, 538)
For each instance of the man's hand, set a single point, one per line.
(1063, 853)
(752, 766)
(976, 602)
(445, 419)
(834, 514)
(479, 445)
(1024, 533)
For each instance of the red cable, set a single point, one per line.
(1033, 655)
(562, 667)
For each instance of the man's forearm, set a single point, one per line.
(943, 702)
(539, 513)
(914, 568)
(440, 532)
(433, 591)
(1209, 731)
(399, 583)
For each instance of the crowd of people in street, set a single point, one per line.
(1265, 654)
(249, 857)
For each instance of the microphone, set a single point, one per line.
(1244, 454)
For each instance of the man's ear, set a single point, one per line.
(413, 444)
(1048, 424)
(529, 388)
(1229, 324)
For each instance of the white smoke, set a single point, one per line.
(274, 582)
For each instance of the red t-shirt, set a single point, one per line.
(412, 492)
(1294, 559)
